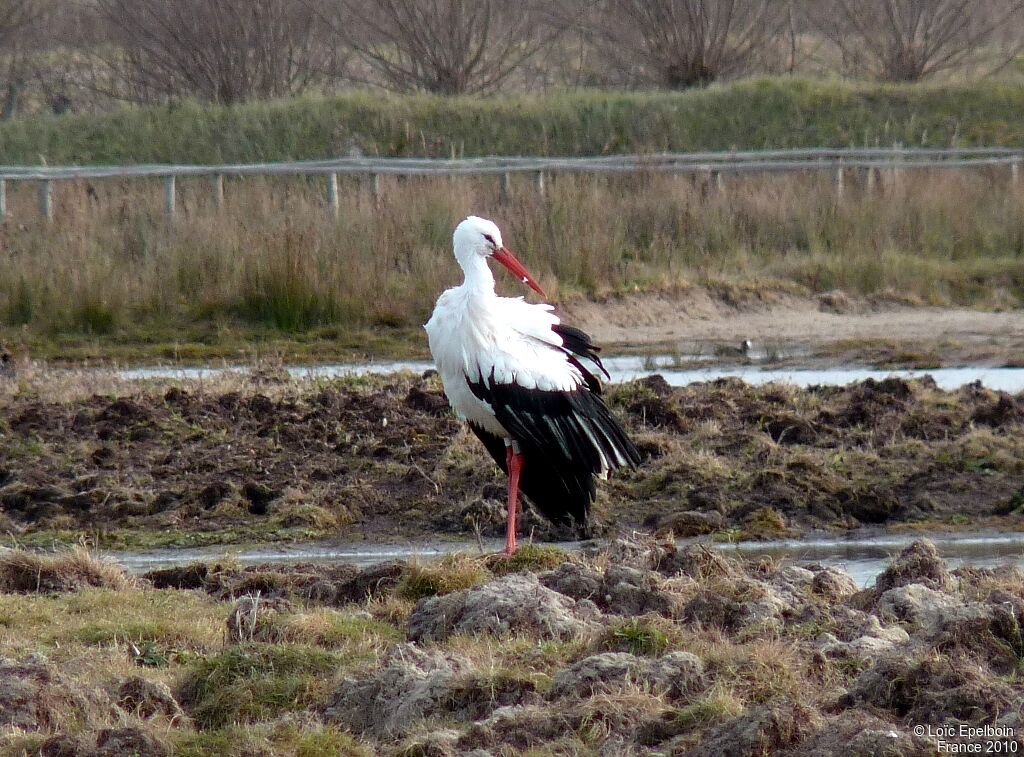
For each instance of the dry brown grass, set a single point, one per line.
(35, 572)
(273, 262)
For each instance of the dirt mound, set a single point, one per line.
(35, 697)
(514, 604)
(833, 584)
(859, 733)
(255, 618)
(920, 563)
(676, 673)
(932, 689)
(619, 590)
(118, 742)
(412, 684)
(765, 729)
(147, 699)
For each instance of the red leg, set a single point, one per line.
(514, 462)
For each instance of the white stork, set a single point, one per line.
(529, 386)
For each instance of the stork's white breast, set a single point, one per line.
(474, 336)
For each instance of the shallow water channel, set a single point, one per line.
(862, 558)
(629, 367)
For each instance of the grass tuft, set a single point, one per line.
(254, 682)
(639, 636)
(33, 572)
(453, 573)
(531, 558)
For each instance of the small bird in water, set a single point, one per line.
(727, 350)
(528, 385)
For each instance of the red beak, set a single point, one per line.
(504, 256)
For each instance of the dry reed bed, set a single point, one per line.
(273, 262)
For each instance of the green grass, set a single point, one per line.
(775, 112)
(639, 636)
(253, 682)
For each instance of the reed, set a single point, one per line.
(273, 261)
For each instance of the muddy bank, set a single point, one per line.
(832, 328)
(380, 458)
(643, 648)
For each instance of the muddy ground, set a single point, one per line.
(269, 458)
(640, 649)
(830, 329)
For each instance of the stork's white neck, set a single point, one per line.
(479, 279)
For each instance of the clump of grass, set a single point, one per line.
(639, 636)
(254, 682)
(453, 573)
(332, 629)
(714, 707)
(310, 740)
(765, 523)
(34, 572)
(531, 558)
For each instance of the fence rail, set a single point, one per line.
(712, 164)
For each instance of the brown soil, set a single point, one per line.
(386, 458)
(831, 328)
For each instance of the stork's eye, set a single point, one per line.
(490, 239)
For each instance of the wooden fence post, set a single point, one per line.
(719, 181)
(332, 195)
(839, 181)
(1015, 172)
(169, 199)
(218, 190)
(538, 180)
(375, 187)
(3, 200)
(45, 198)
(897, 171)
(506, 187)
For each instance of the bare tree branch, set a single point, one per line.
(910, 40)
(223, 51)
(449, 47)
(686, 43)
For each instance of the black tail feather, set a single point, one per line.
(561, 493)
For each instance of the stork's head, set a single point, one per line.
(479, 238)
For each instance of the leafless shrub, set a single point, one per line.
(686, 43)
(910, 40)
(15, 14)
(16, 18)
(449, 47)
(224, 51)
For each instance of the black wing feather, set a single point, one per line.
(577, 344)
(565, 437)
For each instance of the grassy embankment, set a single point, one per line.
(272, 273)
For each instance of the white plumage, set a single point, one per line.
(524, 382)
